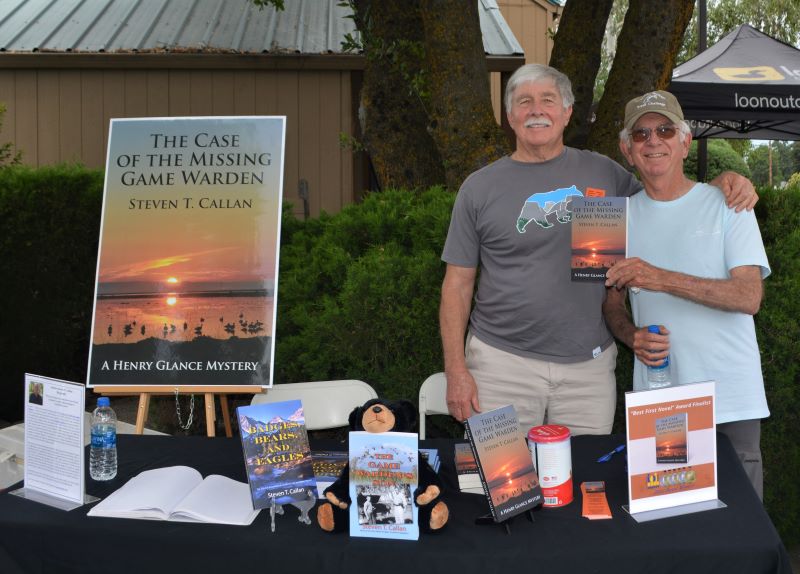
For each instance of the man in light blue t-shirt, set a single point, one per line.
(695, 268)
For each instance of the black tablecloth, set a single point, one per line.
(739, 538)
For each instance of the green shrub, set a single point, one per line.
(778, 333)
(49, 225)
(721, 157)
(359, 293)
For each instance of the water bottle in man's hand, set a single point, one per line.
(658, 377)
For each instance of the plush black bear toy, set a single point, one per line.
(378, 416)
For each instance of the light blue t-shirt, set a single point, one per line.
(698, 235)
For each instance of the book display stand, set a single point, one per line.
(488, 519)
(209, 393)
(54, 501)
(302, 505)
(505, 466)
(648, 515)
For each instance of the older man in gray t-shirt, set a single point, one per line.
(536, 339)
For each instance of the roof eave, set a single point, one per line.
(227, 61)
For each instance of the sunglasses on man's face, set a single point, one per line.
(664, 132)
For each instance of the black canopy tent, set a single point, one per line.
(745, 86)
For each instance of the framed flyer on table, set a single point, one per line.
(187, 267)
(672, 451)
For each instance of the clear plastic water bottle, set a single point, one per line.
(658, 377)
(103, 448)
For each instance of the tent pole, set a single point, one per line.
(702, 34)
(769, 162)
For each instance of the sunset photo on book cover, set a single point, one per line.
(511, 478)
(504, 462)
(671, 439)
(187, 265)
(599, 229)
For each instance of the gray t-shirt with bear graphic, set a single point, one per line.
(512, 220)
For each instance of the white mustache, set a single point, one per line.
(538, 122)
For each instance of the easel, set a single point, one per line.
(145, 392)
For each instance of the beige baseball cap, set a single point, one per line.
(659, 102)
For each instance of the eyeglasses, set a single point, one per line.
(664, 132)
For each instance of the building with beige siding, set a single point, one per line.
(68, 67)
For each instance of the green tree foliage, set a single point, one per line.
(758, 162)
(788, 159)
(721, 157)
(277, 4)
(781, 157)
(777, 18)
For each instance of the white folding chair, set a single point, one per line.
(432, 399)
(326, 404)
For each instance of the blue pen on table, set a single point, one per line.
(606, 457)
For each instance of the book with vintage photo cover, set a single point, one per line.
(504, 462)
(599, 236)
(384, 473)
(276, 453)
(671, 439)
(180, 494)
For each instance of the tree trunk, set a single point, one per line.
(394, 122)
(576, 52)
(459, 104)
(646, 50)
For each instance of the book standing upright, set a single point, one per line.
(504, 463)
(276, 453)
(384, 473)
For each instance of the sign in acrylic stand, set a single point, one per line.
(672, 451)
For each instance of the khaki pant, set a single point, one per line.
(746, 439)
(581, 396)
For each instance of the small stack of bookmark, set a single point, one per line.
(595, 504)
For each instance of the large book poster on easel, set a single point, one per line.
(187, 267)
